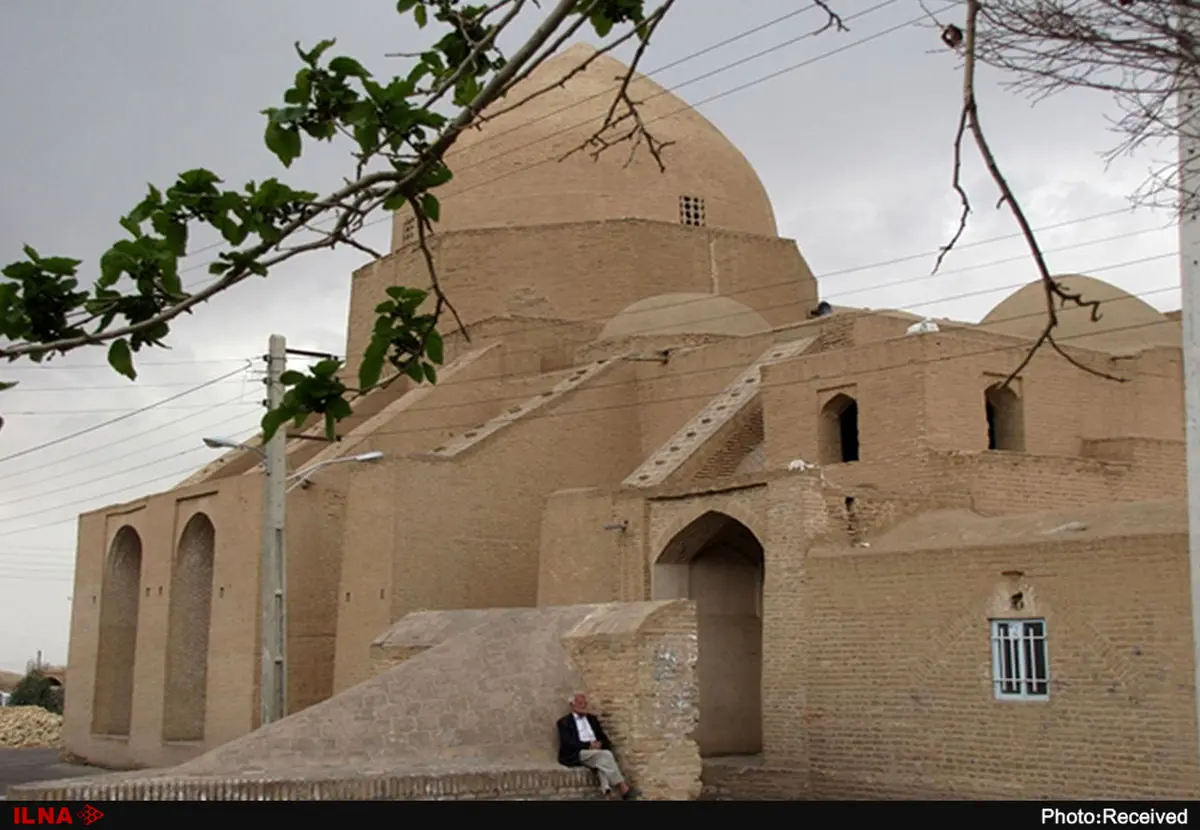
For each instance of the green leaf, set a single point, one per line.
(414, 371)
(431, 206)
(273, 420)
(121, 358)
(284, 142)
(8, 384)
(326, 368)
(420, 16)
(403, 6)
(435, 347)
(430, 373)
(348, 67)
(291, 377)
(312, 57)
(394, 201)
(372, 364)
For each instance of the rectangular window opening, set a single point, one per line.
(1020, 667)
(691, 211)
(409, 234)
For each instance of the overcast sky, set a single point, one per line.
(853, 144)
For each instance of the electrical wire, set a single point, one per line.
(599, 385)
(133, 439)
(119, 418)
(706, 396)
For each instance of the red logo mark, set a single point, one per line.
(89, 815)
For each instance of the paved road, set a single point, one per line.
(20, 766)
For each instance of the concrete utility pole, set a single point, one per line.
(274, 560)
(1189, 277)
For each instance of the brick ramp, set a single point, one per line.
(537, 783)
(471, 717)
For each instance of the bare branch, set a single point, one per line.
(970, 119)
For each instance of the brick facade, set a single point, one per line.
(841, 605)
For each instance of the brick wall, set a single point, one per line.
(1120, 721)
(500, 271)
(639, 664)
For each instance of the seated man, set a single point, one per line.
(582, 742)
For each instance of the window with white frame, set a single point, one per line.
(1020, 668)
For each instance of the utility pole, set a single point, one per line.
(1189, 278)
(273, 679)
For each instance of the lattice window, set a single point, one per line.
(409, 233)
(1020, 668)
(691, 211)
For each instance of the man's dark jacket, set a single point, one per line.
(569, 744)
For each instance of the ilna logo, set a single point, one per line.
(86, 816)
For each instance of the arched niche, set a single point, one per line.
(718, 562)
(838, 430)
(1005, 419)
(189, 620)
(112, 705)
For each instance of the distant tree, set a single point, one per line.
(36, 689)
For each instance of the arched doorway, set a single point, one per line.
(188, 622)
(112, 707)
(718, 562)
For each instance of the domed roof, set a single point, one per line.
(1126, 322)
(511, 171)
(685, 314)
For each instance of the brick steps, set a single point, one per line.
(554, 783)
(709, 420)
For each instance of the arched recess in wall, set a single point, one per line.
(112, 704)
(838, 430)
(718, 562)
(1005, 419)
(189, 620)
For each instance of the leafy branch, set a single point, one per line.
(399, 131)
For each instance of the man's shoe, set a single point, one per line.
(630, 794)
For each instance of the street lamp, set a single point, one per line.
(274, 570)
(230, 444)
(301, 476)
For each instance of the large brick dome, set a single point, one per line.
(510, 171)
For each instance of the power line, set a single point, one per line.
(45, 367)
(134, 439)
(44, 412)
(616, 86)
(685, 108)
(120, 418)
(1012, 347)
(25, 485)
(177, 474)
(900, 282)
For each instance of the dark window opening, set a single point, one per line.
(1005, 421)
(839, 431)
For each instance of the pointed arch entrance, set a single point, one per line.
(188, 622)
(718, 562)
(112, 704)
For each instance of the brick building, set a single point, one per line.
(908, 581)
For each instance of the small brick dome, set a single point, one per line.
(685, 314)
(1127, 323)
